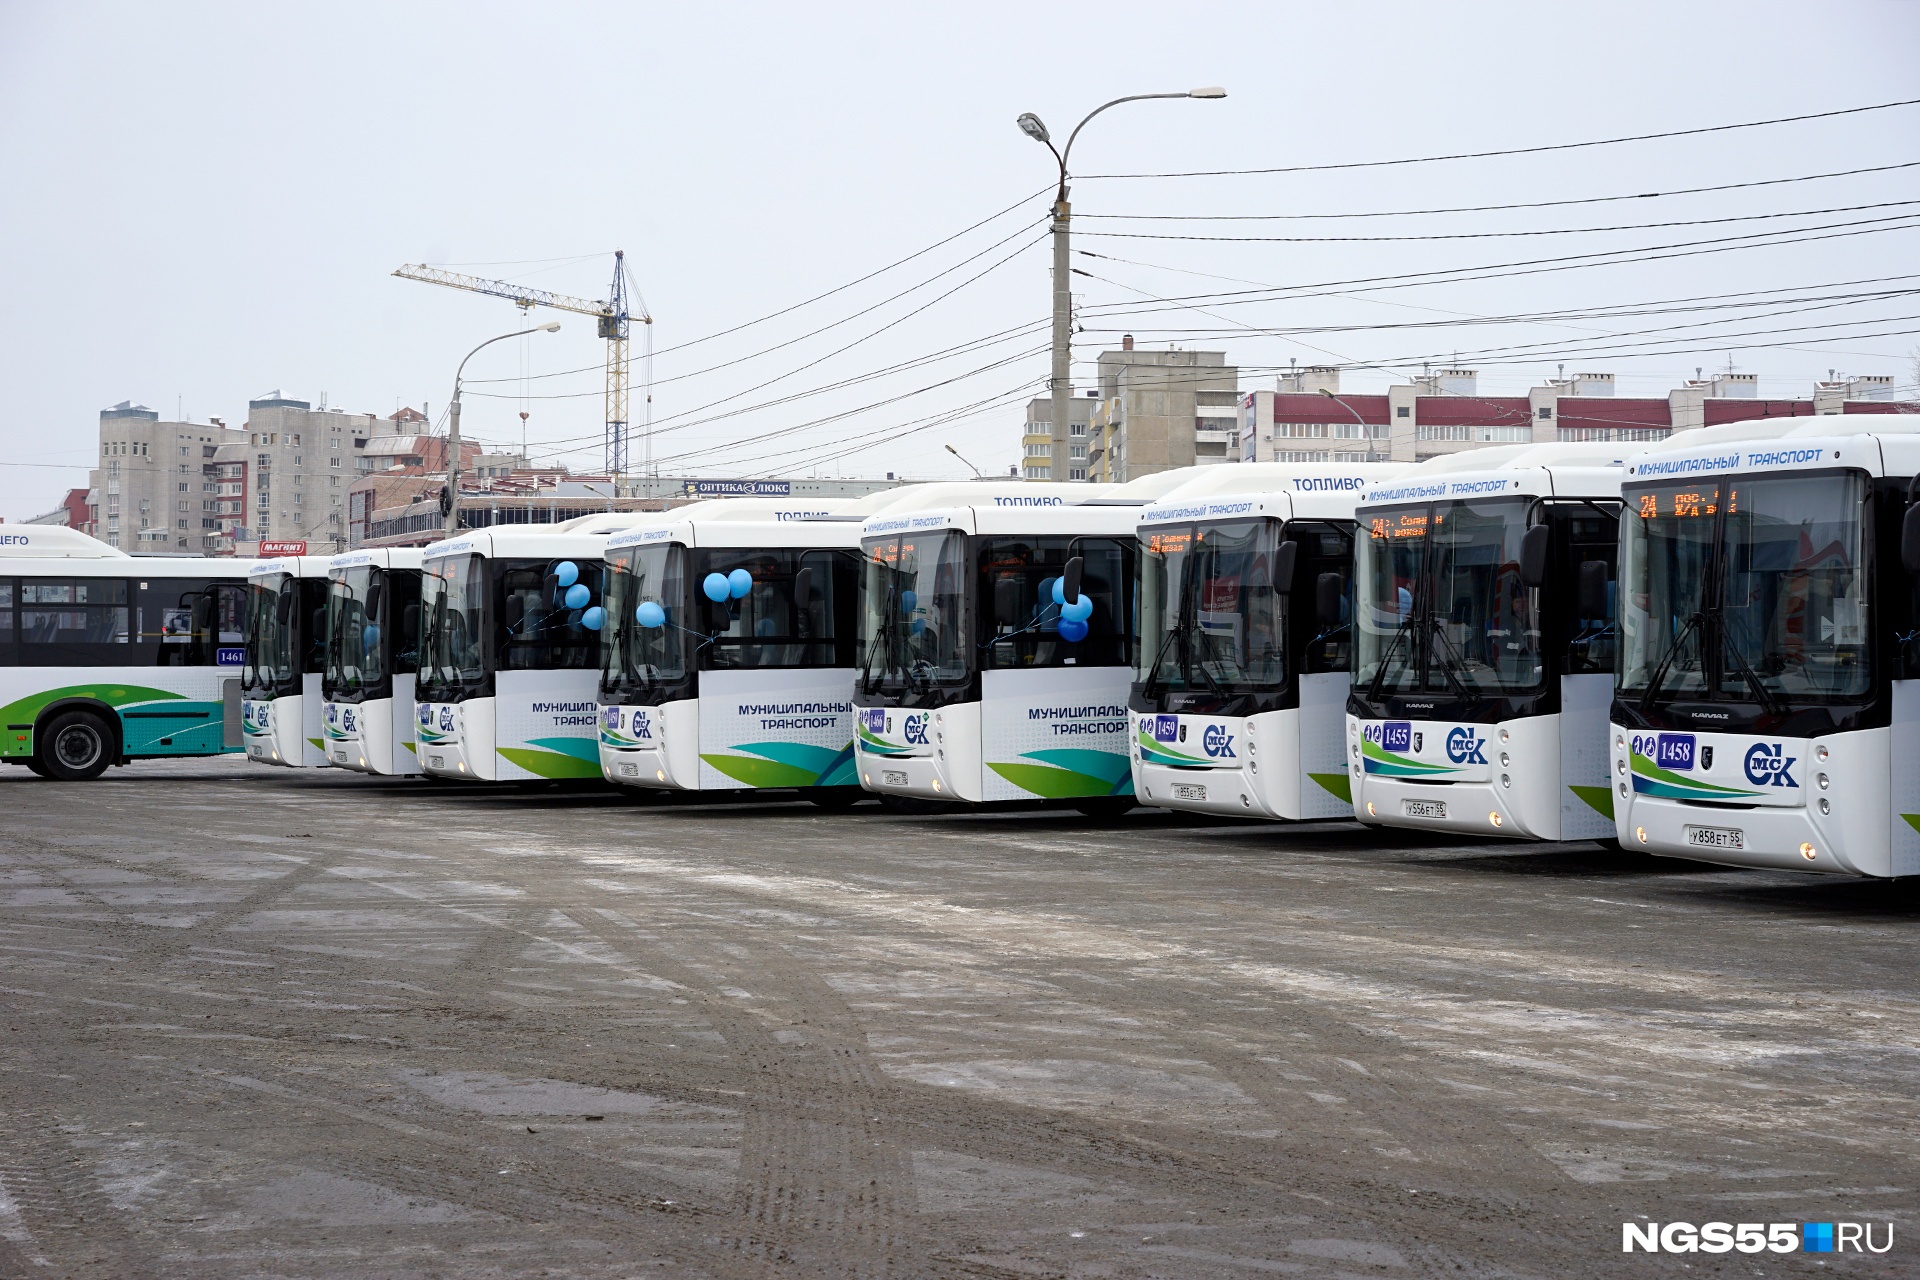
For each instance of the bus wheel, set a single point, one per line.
(834, 797)
(74, 747)
(1104, 808)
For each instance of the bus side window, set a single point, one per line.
(8, 654)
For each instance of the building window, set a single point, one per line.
(1546, 413)
(1076, 428)
(1402, 411)
(1077, 451)
(334, 462)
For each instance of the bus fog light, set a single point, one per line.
(1619, 740)
(1506, 780)
(1620, 766)
(1826, 805)
(1371, 811)
(1821, 752)
(1506, 761)
(1356, 753)
(936, 784)
(1623, 791)
(1504, 735)
(1494, 818)
(661, 774)
(1640, 834)
(1825, 782)
(867, 778)
(1808, 852)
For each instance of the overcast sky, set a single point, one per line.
(201, 204)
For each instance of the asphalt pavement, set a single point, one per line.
(261, 1022)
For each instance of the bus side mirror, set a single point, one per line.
(1534, 545)
(1590, 592)
(1070, 578)
(1910, 538)
(376, 594)
(1006, 600)
(1284, 557)
(1329, 592)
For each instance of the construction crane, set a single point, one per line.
(615, 321)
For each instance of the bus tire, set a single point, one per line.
(834, 798)
(1104, 808)
(74, 746)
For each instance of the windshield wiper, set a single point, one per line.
(1380, 672)
(1768, 700)
(1469, 695)
(1650, 698)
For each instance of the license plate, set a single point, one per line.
(629, 770)
(1424, 808)
(340, 757)
(259, 751)
(1716, 838)
(894, 777)
(1189, 791)
(436, 762)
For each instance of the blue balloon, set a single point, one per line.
(716, 587)
(578, 595)
(1050, 591)
(370, 637)
(1071, 631)
(650, 614)
(1059, 592)
(1079, 610)
(739, 582)
(592, 618)
(907, 601)
(567, 573)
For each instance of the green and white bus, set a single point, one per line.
(373, 653)
(107, 658)
(286, 655)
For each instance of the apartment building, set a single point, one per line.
(1036, 440)
(299, 464)
(152, 490)
(1159, 410)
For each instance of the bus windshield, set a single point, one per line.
(453, 606)
(1746, 589)
(356, 658)
(272, 605)
(1210, 615)
(644, 653)
(1023, 624)
(1440, 603)
(912, 634)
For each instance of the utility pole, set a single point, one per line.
(1061, 379)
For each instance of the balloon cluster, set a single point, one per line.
(1073, 613)
(575, 594)
(721, 587)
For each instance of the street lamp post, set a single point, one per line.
(1061, 382)
(1366, 439)
(450, 507)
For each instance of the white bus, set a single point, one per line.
(996, 643)
(1483, 657)
(286, 656)
(1767, 712)
(372, 655)
(728, 661)
(107, 658)
(1240, 696)
(508, 688)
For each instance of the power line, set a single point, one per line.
(1512, 151)
(1503, 235)
(1489, 208)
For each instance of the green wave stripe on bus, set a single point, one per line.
(1913, 820)
(1649, 779)
(1599, 799)
(556, 757)
(1337, 784)
(880, 746)
(1154, 751)
(1069, 773)
(118, 696)
(785, 764)
(1379, 760)
(318, 745)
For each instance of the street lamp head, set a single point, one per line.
(1209, 91)
(551, 326)
(1328, 394)
(1030, 125)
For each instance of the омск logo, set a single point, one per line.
(1463, 746)
(1768, 765)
